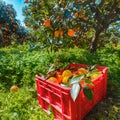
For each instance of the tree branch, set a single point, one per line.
(114, 20)
(95, 10)
(102, 3)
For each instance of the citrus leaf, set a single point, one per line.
(76, 79)
(88, 81)
(93, 67)
(88, 93)
(90, 68)
(75, 91)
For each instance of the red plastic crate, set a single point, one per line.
(58, 98)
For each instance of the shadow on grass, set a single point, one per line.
(108, 109)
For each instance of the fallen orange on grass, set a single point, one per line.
(14, 88)
(47, 23)
(71, 32)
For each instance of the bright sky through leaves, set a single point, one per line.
(18, 5)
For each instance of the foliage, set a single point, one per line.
(21, 105)
(69, 23)
(19, 66)
(102, 57)
(10, 28)
(24, 105)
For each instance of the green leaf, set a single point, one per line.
(88, 81)
(75, 79)
(75, 91)
(90, 68)
(88, 93)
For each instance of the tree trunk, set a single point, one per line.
(1, 38)
(94, 42)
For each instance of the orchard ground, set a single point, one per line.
(19, 66)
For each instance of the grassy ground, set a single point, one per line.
(23, 105)
(19, 66)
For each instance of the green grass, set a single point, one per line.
(19, 66)
(21, 105)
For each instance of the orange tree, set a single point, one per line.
(71, 22)
(10, 27)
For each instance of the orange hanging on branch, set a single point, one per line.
(26, 1)
(58, 33)
(47, 23)
(71, 32)
(76, 14)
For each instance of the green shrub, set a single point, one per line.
(108, 56)
(21, 105)
(19, 65)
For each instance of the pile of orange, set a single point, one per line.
(63, 77)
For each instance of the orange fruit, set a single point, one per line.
(81, 83)
(85, 17)
(26, 1)
(66, 73)
(65, 76)
(76, 14)
(27, 24)
(61, 32)
(65, 79)
(71, 32)
(14, 88)
(58, 33)
(12, 15)
(81, 71)
(59, 78)
(53, 79)
(94, 75)
(82, 11)
(47, 23)
(78, 29)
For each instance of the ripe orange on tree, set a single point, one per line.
(58, 33)
(27, 24)
(76, 14)
(71, 32)
(61, 32)
(47, 23)
(26, 1)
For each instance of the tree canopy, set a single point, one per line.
(10, 27)
(72, 21)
